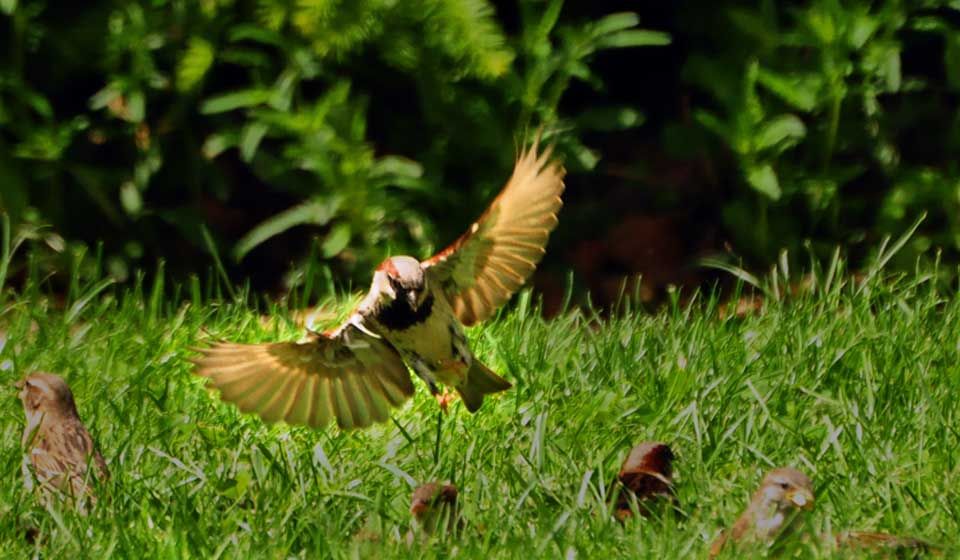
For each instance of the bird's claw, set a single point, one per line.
(444, 399)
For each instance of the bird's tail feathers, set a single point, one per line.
(480, 381)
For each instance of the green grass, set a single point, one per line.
(857, 385)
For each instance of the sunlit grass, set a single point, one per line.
(856, 384)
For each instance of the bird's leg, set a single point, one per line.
(444, 399)
(436, 445)
(454, 369)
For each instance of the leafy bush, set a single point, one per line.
(138, 123)
(335, 131)
(827, 109)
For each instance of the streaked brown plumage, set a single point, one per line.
(774, 506)
(413, 315)
(434, 509)
(646, 476)
(58, 445)
(772, 509)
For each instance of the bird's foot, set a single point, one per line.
(444, 399)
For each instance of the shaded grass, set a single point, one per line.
(856, 385)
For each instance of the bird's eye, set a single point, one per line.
(784, 485)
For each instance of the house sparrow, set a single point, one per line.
(434, 508)
(413, 315)
(60, 448)
(782, 493)
(646, 475)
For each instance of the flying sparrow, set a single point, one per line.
(773, 507)
(646, 475)
(434, 508)
(413, 315)
(60, 449)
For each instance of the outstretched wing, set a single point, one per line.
(492, 260)
(346, 375)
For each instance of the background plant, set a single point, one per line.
(357, 119)
(830, 120)
(338, 131)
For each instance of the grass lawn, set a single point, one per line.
(858, 385)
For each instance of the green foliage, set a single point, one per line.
(813, 104)
(854, 383)
(198, 103)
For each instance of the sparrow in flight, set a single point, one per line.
(646, 475)
(413, 315)
(59, 448)
(774, 505)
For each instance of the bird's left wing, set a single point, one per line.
(492, 260)
(347, 375)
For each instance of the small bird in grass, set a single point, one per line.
(413, 315)
(646, 476)
(771, 512)
(782, 494)
(59, 448)
(434, 509)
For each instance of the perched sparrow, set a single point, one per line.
(61, 450)
(772, 508)
(434, 508)
(647, 475)
(413, 315)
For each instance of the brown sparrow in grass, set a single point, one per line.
(772, 509)
(646, 475)
(434, 509)
(61, 453)
(783, 492)
(413, 315)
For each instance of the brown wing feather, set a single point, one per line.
(492, 260)
(345, 375)
(63, 453)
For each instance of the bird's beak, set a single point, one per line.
(801, 498)
(413, 298)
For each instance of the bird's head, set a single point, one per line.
(651, 458)
(46, 393)
(431, 495)
(785, 489)
(400, 278)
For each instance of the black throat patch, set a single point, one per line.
(400, 316)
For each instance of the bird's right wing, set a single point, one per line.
(487, 264)
(347, 375)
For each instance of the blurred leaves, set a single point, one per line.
(371, 126)
(194, 63)
(312, 212)
(817, 91)
(196, 110)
